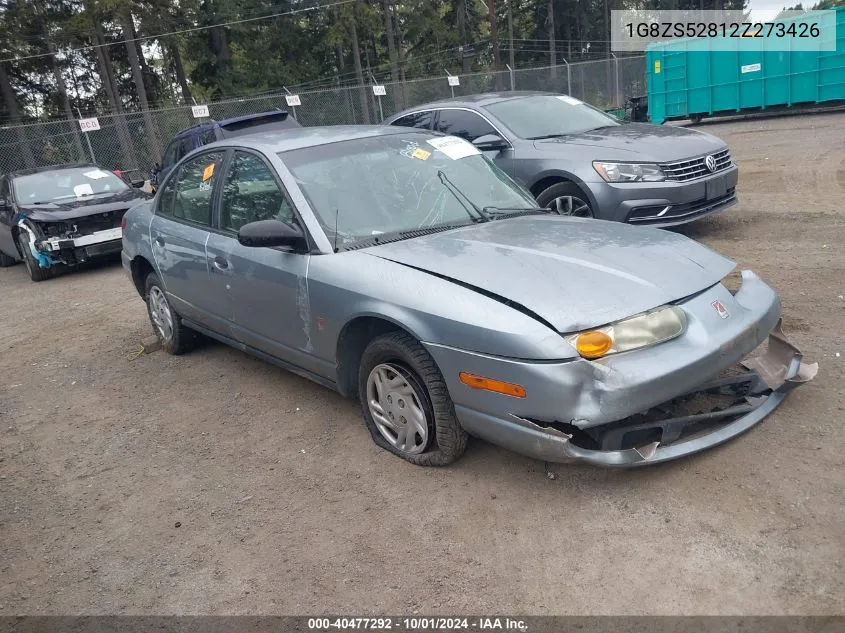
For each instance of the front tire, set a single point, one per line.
(36, 273)
(566, 198)
(406, 404)
(174, 336)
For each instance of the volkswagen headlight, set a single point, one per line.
(643, 330)
(628, 172)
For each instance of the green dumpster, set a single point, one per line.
(686, 79)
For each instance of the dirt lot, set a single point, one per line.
(286, 506)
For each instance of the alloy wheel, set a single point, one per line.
(572, 206)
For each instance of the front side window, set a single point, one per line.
(399, 182)
(188, 195)
(421, 120)
(208, 137)
(463, 123)
(250, 193)
(62, 185)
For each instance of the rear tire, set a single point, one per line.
(175, 337)
(405, 402)
(36, 273)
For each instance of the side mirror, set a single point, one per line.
(490, 143)
(268, 233)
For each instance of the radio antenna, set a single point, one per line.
(336, 214)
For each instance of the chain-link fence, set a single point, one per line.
(135, 141)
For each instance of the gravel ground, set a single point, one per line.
(215, 483)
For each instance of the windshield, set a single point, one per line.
(544, 116)
(396, 183)
(65, 184)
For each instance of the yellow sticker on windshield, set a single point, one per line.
(208, 172)
(420, 153)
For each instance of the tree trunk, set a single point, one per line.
(62, 90)
(550, 23)
(113, 97)
(512, 52)
(391, 50)
(181, 78)
(400, 41)
(146, 71)
(461, 9)
(138, 78)
(14, 116)
(359, 71)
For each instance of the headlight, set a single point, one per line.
(643, 330)
(628, 172)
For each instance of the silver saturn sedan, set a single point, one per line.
(404, 268)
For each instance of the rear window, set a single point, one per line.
(259, 123)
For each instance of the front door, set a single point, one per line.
(470, 125)
(267, 287)
(179, 232)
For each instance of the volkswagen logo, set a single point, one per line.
(710, 163)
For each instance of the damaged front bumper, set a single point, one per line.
(716, 381)
(69, 249)
(755, 390)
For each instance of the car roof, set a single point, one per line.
(201, 127)
(473, 101)
(38, 170)
(297, 138)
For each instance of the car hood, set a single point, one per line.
(81, 207)
(637, 141)
(571, 273)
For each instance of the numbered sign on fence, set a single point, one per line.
(293, 100)
(89, 125)
(200, 111)
(379, 91)
(454, 80)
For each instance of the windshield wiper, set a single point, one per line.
(479, 216)
(496, 213)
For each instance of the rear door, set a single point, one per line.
(179, 232)
(267, 287)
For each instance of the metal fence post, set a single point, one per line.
(510, 72)
(292, 107)
(616, 81)
(568, 78)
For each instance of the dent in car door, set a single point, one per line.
(179, 232)
(268, 287)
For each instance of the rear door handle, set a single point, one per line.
(220, 263)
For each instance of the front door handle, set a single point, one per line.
(220, 263)
(159, 240)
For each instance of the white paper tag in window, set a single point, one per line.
(83, 190)
(454, 147)
(95, 174)
(570, 100)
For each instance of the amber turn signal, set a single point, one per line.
(593, 344)
(488, 384)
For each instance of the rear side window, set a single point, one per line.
(468, 125)
(188, 195)
(208, 137)
(176, 151)
(421, 120)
